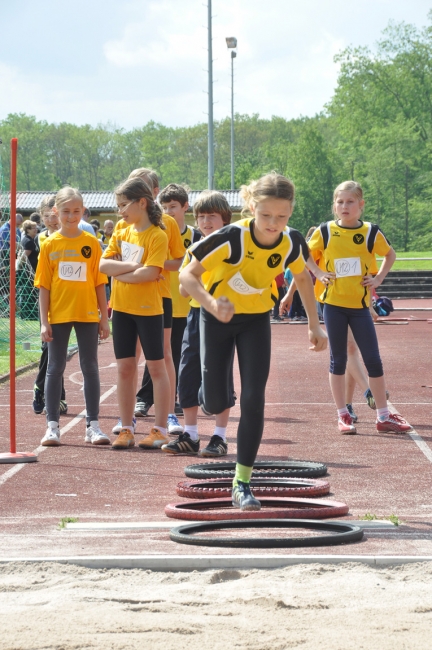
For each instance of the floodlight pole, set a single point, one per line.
(231, 42)
(210, 102)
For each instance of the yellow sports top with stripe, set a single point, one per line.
(68, 268)
(175, 250)
(181, 305)
(150, 248)
(242, 269)
(350, 253)
(204, 278)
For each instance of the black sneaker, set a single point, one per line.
(182, 445)
(216, 447)
(63, 407)
(178, 409)
(353, 415)
(142, 409)
(38, 401)
(243, 498)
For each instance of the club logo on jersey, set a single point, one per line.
(358, 239)
(86, 252)
(336, 233)
(187, 243)
(274, 260)
(250, 255)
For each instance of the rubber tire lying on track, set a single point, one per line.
(261, 469)
(203, 510)
(218, 488)
(345, 534)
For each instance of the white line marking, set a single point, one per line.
(416, 437)
(16, 468)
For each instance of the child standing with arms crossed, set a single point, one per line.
(348, 247)
(242, 261)
(71, 290)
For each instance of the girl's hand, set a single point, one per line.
(104, 328)
(46, 333)
(223, 309)
(318, 338)
(326, 277)
(285, 304)
(370, 281)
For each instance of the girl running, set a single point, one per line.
(135, 258)
(242, 260)
(348, 247)
(71, 292)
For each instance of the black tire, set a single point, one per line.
(344, 533)
(217, 488)
(262, 469)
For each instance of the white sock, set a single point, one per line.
(53, 425)
(383, 414)
(221, 432)
(161, 429)
(343, 411)
(192, 430)
(128, 428)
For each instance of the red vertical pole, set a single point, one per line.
(12, 304)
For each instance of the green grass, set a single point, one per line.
(22, 357)
(412, 265)
(67, 520)
(371, 517)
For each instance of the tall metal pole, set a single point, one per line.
(210, 102)
(233, 56)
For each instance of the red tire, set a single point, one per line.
(206, 510)
(220, 488)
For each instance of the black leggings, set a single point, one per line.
(250, 334)
(337, 320)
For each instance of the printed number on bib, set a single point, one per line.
(73, 271)
(239, 285)
(131, 252)
(346, 266)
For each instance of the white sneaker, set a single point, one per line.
(118, 427)
(52, 435)
(173, 425)
(95, 435)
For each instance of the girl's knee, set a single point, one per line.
(126, 368)
(157, 369)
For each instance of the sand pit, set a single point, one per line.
(335, 607)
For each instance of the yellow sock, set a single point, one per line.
(242, 473)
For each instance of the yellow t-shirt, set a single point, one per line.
(68, 268)
(148, 248)
(350, 253)
(242, 269)
(181, 305)
(204, 278)
(175, 250)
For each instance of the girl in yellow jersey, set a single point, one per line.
(72, 293)
(348, 247)
(242, 260)
(135, 258)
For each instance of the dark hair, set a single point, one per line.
(35, 217)
(135, 189)
(211, 201)
(174, 192)
(86, 213)
(95, 222)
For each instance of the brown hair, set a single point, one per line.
(151, 178)
(27, 225)
(174, 192)
(135, 189)
(211, 201)
(349, 186)
(270, 186)
(47, 203)
(66, 194)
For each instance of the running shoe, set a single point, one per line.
(243, 498)
(118, 427)
(63, 407)
(125, 440)
(154, 440)
(38, 401)
(95, 436)
(371, 400)
(142, 409)
(183, 445)
(393, 424)
(52, 435)
(173, 425)
(353, 415)
(345, 424)
(178, 409)
(216, 447)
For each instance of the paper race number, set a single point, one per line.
(238, 284)
(346, 266)
(131, 252)
(73, 271)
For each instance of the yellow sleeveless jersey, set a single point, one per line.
(350, 253)
(243, 270)
(181, 305)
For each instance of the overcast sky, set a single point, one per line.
(131, 61)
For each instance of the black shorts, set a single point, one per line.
(167, 307)
(128, 327)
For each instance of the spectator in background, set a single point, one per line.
(5, 233)
(96, 225)
(280, 284)
(107, 231)
(84, 225)
(28, 243)
(36, 218)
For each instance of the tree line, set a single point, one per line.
(376, 129)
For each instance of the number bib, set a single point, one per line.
(239, 285)
(347, 266)
(73, 271)
(131, 252)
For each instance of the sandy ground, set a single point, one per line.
(54, 606)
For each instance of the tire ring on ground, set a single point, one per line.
(203, 510)
(262, 469)
(345, 533)
(218, 488)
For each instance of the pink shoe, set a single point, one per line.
(393, 424)
(345, 425)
